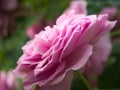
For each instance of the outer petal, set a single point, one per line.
(98, 27)
(95, 64)
(64, 85)
(79, 57)
(40, 79)
(100, 54)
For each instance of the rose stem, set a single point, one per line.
(84, 81)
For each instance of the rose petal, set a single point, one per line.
(64, 85)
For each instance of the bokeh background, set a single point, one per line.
(17, 16)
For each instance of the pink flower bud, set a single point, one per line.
(111, 11)
(7, 81)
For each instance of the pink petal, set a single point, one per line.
(64, 85)
(75, 61)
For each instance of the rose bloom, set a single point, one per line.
(66, 46)
(7, 81)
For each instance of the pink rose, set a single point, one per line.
(7, 81)
(66, 46)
